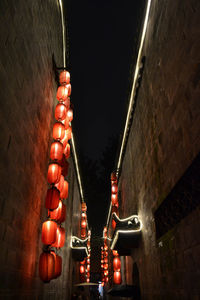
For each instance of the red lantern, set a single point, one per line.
(114, 188)
(69, 87)
(114, 199)
(52, 198)
(105, 272)
(65, 166)
(82, 269)
(83, 233)
(58, 131)
(115, 253)
(105, 247)
(49, 229)
(88, 261)
(65, 122)
(84, 207)
(64, 77)
(58, 266)
(69, 133)
(67, 103)
(60, 112)
(56, 151)
(88, 274)
(63, 214)
(70, 114)
(64, 192)
(67, 151)
(56, 213)
(54, 173)
(113, 224)
(60, 238)
(106, 279)
(116, 264)
(105, 254)
(88, 268)
(113, 176)
(46, 266)
(62, 93)
(105, 260)
(83, 216)
(60, 184)
(83, 224)
(82, 262)
(117, 277)
(105, 266)
(88, 280)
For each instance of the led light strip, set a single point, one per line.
(72, 139)
(131, 102)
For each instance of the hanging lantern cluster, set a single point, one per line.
(104, 258)
(53, 234)
(117, 279)
(114, 196)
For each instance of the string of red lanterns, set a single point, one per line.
(53, 234)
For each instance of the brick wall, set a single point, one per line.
(164, 140)
(30, 39)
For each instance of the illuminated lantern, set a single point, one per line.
(54, 173)
(64, 141)
(83, 215)
(65, 122)
(105, 266)
(52, 198)
(105, 254)
(114, 209)
(56, 213)
(58, 266)
(105, 272)
(82, 269)
(114, 199)
(115, 253)
(84, 207)
(105, 247)
(69, 87)
(64, 77)
(60, 112)
(83, 224)
(70, 114)
(88, 267)
(88, 280)
(67, 151)
(46, 266)
(88, 244)
(49, 229)
(117, 277)
(62, 93)
(83, 232)
(113, 224)
(69, 133)
(64, 192)
(60, 184)
(60, 238)
(56, 151)
(88, 274)
(106, 260)
(63, 214)
(82, 262)
(116, 264)
(113, 176)
(106, 279)
(64, 165)
(114, 188)
(67, 103)
(58, 131)
(88, 261)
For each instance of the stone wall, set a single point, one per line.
(163, 141)
(30, 45)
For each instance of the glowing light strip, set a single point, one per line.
(132, 93)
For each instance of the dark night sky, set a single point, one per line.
(103, 38)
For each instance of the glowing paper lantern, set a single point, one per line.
(64, 77)
(82, 269)
(113, 176)
(117, 277)
(67, 103)
(63, 214)
(56, 213)
(114, 188)
(49, 229)
(52, 198)
(64, 165)
(70, 114)
(54, 173)
(105, 266)
(62, 93)
(64, 141)
(105, 272)
(83, 215)
(114, 199)
(64, 192)
(116, 264)
(56, 151)
(82, 262)
(83, 224)
(115, 253)
(65, 122)
(58, 131)
(60, 112)
(67, 151)
(113, 224)
(58, 266)
(46, 266)
(69, 133)
(84, 207)
(69, 87)
(83, 232)
(60, 184)
(60, 238)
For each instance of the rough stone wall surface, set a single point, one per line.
(163, 141)
(30, 37)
